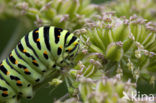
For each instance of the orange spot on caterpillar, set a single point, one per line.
(34, 61)
(10, 55)
(36, 31)
(75, 43)
(60, 47)
(58, 36)
(16, 62)
(8, 73)
(26, 70)
(69, 49)
(5, 92)
(1, 64)
(38, 40)
(45, 52)
(19, 82)
(24, 51)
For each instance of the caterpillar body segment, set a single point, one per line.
(22, 67)
(30, 57)
(6, 90)
(15, 79)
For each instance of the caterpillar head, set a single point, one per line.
(70, 50)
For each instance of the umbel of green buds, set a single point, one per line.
(128, 44)
(67, 14)
(104, 90)
(143, 8)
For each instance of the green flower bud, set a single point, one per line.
(138, 54)
(85, 88)
(55, 82)
(73, 73)
(114, 51)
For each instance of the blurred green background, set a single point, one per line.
(7, 31)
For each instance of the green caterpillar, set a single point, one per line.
(38, 52)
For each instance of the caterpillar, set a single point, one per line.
(37, 53)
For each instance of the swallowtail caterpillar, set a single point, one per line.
(37, 53)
